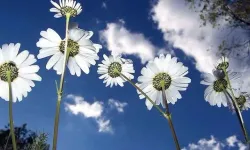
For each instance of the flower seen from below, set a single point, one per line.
(82, 51)
(223, 63)
(22, 72)
(111, 68)
(163, 71)
(66, 7)
(243, 101)
(217, 91)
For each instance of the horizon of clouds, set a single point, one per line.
(216, 144)
(182, 29)
(95, 111)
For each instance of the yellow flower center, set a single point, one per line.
(73, 47)
(161, 79)
(220, 85)
(113, 68)
(12, 68)
(68, 10)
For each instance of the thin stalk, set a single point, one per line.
(60, 90)
(143, 93)
(167, 115)
(240, 119)
(5, 147)
(236, 107)
(169, 118)
(10, 112)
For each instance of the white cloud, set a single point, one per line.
(181, 27)
(231, 141)
(242, 146)
(84, 108)
(115, 104)
(104, 126)
(120, 40)
(215, 144)
(96, 111)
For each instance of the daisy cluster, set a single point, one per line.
(164, 73)
(23, 72)
(161, 81)
(218, 91)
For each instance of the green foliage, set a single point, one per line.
(39, 143)
(26, 139)
(235, 12)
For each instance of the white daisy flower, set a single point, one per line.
(163, 70)
(66, 7)
(83, 52)
(243, 102)
(216, 92)
(223, 62)
(23, 72)
(112, 64)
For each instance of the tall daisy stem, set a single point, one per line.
(236, 107)
(60, 89)
(143, 93)
(10, 112)
(5, 147)
(169, 118)
(167, 115)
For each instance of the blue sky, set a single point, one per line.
(145, 22)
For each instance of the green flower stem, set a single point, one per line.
(143, 93)
(167, 115)
(60, 89)
(236, 107)
(10, 112)
(5, 147)
(169, 118)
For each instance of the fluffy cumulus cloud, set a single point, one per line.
(181, 27)
(84, 108)
(120, 40)
(215, 144)
(115, 104)
(95, 111)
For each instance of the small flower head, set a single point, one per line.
(65, 7)
(20, 69)
(223, 63)
(218, 87)
(82, 52)
(163, 74)
(112, 67)
(243, 101)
